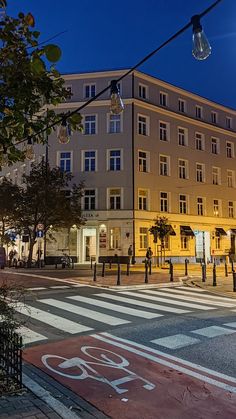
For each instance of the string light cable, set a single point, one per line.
(201, 50)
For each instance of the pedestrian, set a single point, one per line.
(11, 255)
(149, 254)
(130, 253)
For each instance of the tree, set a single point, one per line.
(161, 230)
(29, 83)
(9, 196)
(44, 199)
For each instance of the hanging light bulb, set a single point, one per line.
(117, 105)
(29, 150)
(64, 132)
(201, 47)
(4, 158)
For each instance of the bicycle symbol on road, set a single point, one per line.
(101, 357)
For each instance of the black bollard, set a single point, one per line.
(118, 274)
(226, 269)
(186, 267)
(146, 273)
(110, 264)
(103, 269)
(214, 275)
(203, 272)
(232, 265)
(234, 281)
(95, 272)
(127, 270)
(171, 272)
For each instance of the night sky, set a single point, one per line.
(104, 34)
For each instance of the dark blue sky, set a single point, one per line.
(104, 34)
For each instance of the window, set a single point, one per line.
(89, 161)
(199, 141)
(183, 166)
(213, 117)
(115, 238)
(199, 112)
(230, 178)
(200, 172)
(115, 199)
(143, 200)
(65, 161)
(231, 209)
(183, 136)
(143, 238)
(143, 161)
(229, 150)
(89, 199)
(182, 105)
(142, 91)
(89, 90)
(228, 122)
(183, 204)
(115, 160)
(217, 242)
(114, 124)
(200, 206)
(143, 125)
(214, 145)
(90, 125)
(184, 241)
(164, 202)
(215, 175)
(216, 208)
(164, 165)
(163, 98)
(163, 131)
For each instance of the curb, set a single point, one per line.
(193, 284)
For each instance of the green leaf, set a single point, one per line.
(37, 65)
(75, 119)
(52, 52)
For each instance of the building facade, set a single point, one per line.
(171, 153)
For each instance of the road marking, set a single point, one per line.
(61, 287)
(29, 336)
(213, 331)
(105, 337)
(186, 298)
(36, 288)
(232, 324)
(51, 319)
(141, 303)
(84, 312)
(116, 307)
(143, 294)
(214, 297)
(175, 341)
(192, 289)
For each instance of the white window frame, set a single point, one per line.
(90, 88)
(143, 88)
(161, 164)
(228, 122)
(214, 117)
(199, 139)
(215, 145)
(201, 205)
(89, 209)
(109, 120)
(182, 109)
(145, 123)
(183, 169)
(83, 161)
(229, 150)
(216, 175)
(200, 172)
(184, 242)
(59, 158)
(90, 124)
(186, 201)
(115, 237)
(199, 112)
(121, 194)
(231, 209)
(182, 136)
(147, 194)
(165, 129)
(216, 207)
(163, 99)
(109, 158)
(143, 238)
(164, 200)
(231, 176)
(147, 159)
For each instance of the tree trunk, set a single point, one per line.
(31, 248)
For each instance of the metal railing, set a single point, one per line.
(10, 358)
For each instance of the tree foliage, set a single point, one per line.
(29, 83)
(161, 230)
(9, 196)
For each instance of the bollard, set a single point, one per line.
(95, 272)
(234, 281)
(146, 273)
(118, 274)
(110, 264)
(103, 269)
(91, 264)
(128, 267)
(214, 275)
(203, 272)
(171, 272)
(186, 267)
(232, 265)
(226, 269)
(150, 267)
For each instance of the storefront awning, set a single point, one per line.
(186, 231)
(233, 230)
(171, 230)
(220, 232)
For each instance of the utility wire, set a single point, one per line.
(77, 110)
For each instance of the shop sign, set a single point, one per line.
(102, 240)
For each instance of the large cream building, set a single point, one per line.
(171, 153)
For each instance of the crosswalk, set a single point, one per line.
(76, 314)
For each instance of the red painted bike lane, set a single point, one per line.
(127, 380)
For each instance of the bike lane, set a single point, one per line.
(124, 379)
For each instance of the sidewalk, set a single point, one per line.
(224, 285)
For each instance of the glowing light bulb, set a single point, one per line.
(29, 151)
(117, 105)
(64, 133)
(201, 47)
